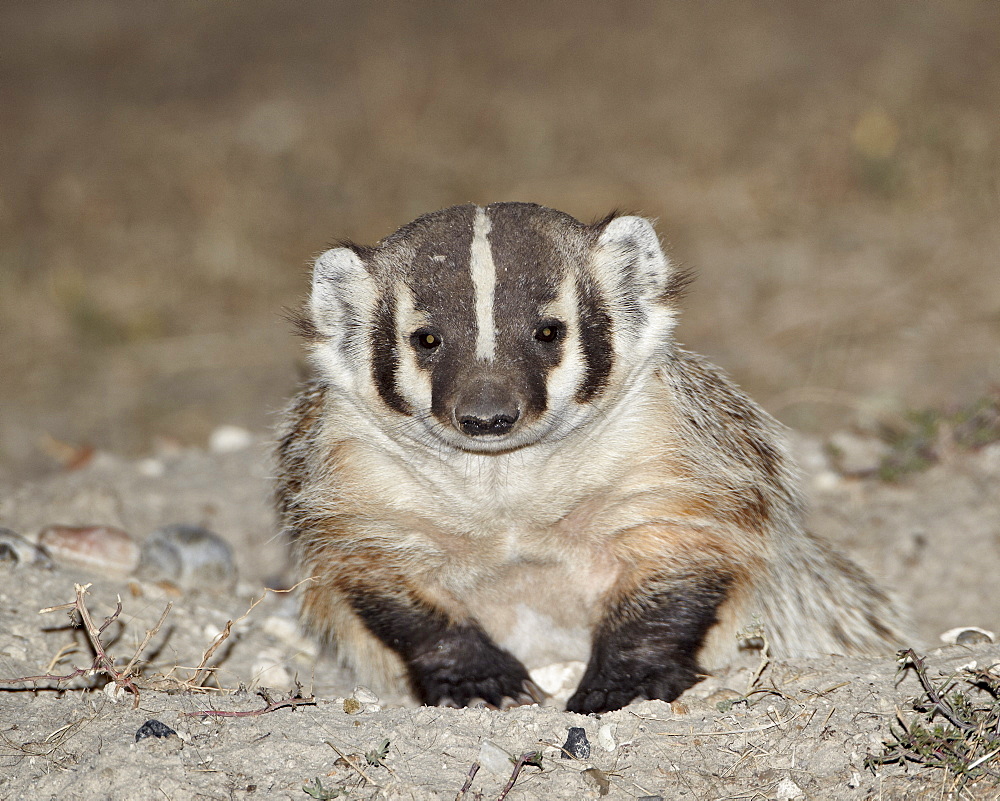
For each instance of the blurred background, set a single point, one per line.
(831, 171)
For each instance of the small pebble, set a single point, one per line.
(269, 670)
(967, 635)
(495, 759)
(153, 728)
(650, 798)
(93, 547)
(577, 744)
(973, 637)
(364, 695)
(788, 790)
(191, 557)
(152, 468)
(15, 548)
(229, 439)
(606, 737)
(115, 692)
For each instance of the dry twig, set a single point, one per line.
(468, 781)
(292, 701)
(195, 681)
(968, 739)
(103, 663)
(529, 758)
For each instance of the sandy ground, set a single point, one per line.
(804, 730)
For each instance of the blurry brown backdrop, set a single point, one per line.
(830, 170)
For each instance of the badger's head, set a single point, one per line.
(487, 329)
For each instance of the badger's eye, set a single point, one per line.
(549, 332)
(425, 339)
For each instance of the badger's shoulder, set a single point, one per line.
(296, 447)
(712, 412)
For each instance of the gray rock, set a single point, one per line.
(191, 557)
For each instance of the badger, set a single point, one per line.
(503, 460)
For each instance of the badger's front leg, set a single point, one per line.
(647, 645)
(671, 587)
(447, 662)
(385, 613)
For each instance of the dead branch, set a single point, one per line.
(270, 706)
(531, 757)
(103, 663)
(468, 781)
(194, 682)
(349, 759)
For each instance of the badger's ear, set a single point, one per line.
(341, 285)
(629, 253)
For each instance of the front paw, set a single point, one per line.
(601, 691)
(465, 667)
(497, 692)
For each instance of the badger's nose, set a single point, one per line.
(487, 409)
(479, 426)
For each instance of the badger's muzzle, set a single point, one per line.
(486, 408)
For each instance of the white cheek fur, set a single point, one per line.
(412, 383)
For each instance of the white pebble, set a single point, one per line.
(826, 481)
(494, 758)
(606, 736)
(229, 439)
(114, 691)
(951, 637)
(364, 695)
(269, 671)
(151, 468)
(787, 790)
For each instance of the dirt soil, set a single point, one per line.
(802, 728)
(831, 172)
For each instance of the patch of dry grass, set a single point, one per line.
(953, 725)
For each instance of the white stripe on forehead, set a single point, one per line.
(484, 281)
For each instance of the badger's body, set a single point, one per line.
(505, 461)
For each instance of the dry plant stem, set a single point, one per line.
(69, 648)
(196, 679)
(249, 713)
(910, 658)
(107, 663)
(150, 633)
(521, 762)
(468, 781)
(765, 660)
(353, 763)
(102, 662)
